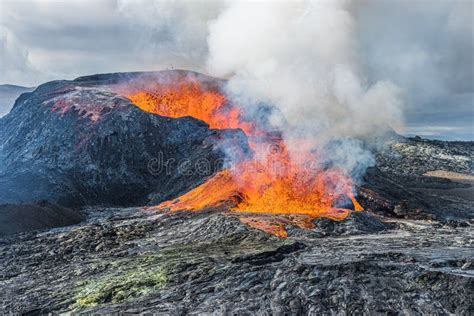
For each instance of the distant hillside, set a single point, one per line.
(8, 94)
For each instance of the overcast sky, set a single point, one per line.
(424, 47)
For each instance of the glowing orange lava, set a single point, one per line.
(272, 182)
(188, 98)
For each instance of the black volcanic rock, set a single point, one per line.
(409, 252)
(79, 143)
(144, 262)
(357, 223)
(402, 183)
(15, 218)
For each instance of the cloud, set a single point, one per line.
(426, 48)
(15, 63)
(65, 39)
(423, 48)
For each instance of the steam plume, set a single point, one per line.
(301, 57)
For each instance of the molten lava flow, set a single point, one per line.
(188, 98)
(259, 192)
(218, 190)
(272, 182)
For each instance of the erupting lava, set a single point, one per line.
(270, 182)
(188, 98)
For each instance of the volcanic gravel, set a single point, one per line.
(213, 263)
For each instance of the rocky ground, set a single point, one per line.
(136, 260)
(409, 252)
(421, 179)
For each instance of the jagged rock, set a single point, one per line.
(356, 223)
(409, 252)
(401, 184)
(80, 143)
(137, 261)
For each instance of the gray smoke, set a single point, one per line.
(333, 68)
(302, 58)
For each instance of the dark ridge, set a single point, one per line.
(16, 218)
(117, 77)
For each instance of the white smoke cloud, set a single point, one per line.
(301, 57)
(423, 47)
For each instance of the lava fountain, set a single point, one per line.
(271, 181)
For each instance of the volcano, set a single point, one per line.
(100, 135)
(269, 179)
(80, 143)
(182, 201)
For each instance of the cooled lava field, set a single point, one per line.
(89, 225)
